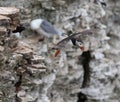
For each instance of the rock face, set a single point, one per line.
(29, 72)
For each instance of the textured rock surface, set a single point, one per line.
(29, 72)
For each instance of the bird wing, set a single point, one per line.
(77, 36)
(73, 38)
(48, 27)
(62, 43)
(86, 32)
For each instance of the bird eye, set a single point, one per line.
(79, 43)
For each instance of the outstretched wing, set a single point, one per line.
(62, 43)
(80, 36)
(74, 37)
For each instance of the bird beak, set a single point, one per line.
(82, 48)
(57, 53)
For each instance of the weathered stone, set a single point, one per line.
(1, 48)
(38, 67)
(3, 31)
(7, 11)
(63, 85)
(37, 59)
(11, 14)
(4, 21)
(23, 48)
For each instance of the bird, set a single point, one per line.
(77, 43)
(42, 26)
(17, 31)
(101, 2)
(75, 39)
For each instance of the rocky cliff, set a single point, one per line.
(30, 73)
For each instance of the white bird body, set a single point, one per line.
(35, 24)
(42, 26)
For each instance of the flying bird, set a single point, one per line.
(76, 41)
(44, 27)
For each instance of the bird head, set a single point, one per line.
(80, 45)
